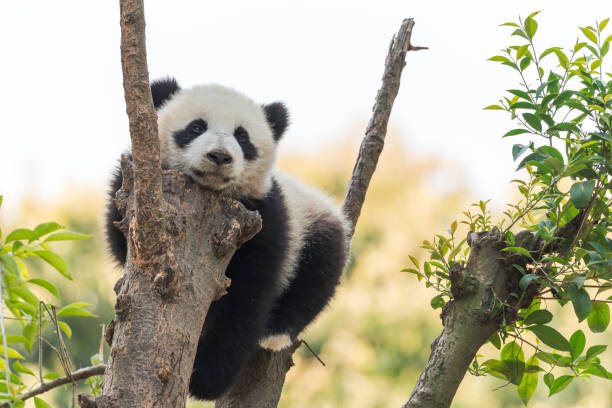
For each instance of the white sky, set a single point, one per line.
(62, 114)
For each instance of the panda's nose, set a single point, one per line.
(219, 158)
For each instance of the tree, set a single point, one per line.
(493, 289)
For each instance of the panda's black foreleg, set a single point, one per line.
(232, 328)
(320, 267)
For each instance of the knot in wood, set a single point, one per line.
(122, 306)
(164, 373)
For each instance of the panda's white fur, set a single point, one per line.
(224, 109)
(286, 274)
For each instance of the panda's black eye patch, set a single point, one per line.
(242, 137)
(194, 129)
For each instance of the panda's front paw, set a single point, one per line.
(276, 342)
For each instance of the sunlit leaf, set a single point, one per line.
(38, 403)
(560, 384)
(47, 285)
(529, 382)
(46, 227)
(66, 236)
(55, 261)
(20, 234)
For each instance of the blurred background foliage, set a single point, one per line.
(375, 336)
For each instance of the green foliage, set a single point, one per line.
(20, 294)
(562, 111)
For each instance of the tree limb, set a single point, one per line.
(261, 381)
(80, 374)
(469, 320)
(149, 238)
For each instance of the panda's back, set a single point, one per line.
(307, 209)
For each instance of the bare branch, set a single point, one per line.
(374, 139)
(148, 235)
(80, 374)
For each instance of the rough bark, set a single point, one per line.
(261, 381)
(149, 240)
(468, 322)
(159, 317)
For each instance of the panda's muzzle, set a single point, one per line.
(219, 157)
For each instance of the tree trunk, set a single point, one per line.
(159, 317)
(468, 322)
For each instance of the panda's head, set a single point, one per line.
(219, 137)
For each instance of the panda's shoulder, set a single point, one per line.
(305, 204)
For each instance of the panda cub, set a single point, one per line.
(283, 277)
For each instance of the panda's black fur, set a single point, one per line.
(257, 305)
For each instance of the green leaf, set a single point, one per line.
(55, 261)
(599, 318)
(25, 294)
(580, 193)
(518, 150)
(518, 250)
(12, 353)
(521, 94)
(512, 356)
(566, 126)
(538, 317)
(525, 63)
(523, 105)
(550, 337)
(533, 121)
(499, 58)
(21, 369)
(495, 340)
(47, 285)
(529, 383)
(497, 369)
(413, 271)
(515, 132)
(526, 280)
(38, 403)
(66, 236)
(589, 34)
(510, 24)
(603, 24)
(20, 234)
(10, 264)
(74, 310)
(65, 328)
(580, 300)
(45, 228)
(437, 302)
(595, 351)
(494, 107)
(577, 343)
(560, 384)
(549, 379)
(531, 26)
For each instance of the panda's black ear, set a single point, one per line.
(162, 90)
(278, 118)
